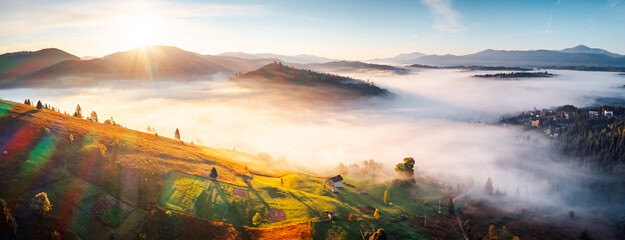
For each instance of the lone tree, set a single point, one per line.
(94, 116)
(450, 206)
(213, 173)
(177, 134)
(376, 214)
(257, 219)
(41, 203)
(39, 104)
(488, 188)
(406, 168)
(78, 112)
(387, 199)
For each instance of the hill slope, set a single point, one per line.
(307, 84)
(101, 179)
(19, 63)
(151, 63)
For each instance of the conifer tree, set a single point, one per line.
(387, 198)
(94, 116)
(177, 134)
(376, 214)
(488, 188)
(213, 173)
(78, 112)
(39, 105)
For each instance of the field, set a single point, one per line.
(102, 179)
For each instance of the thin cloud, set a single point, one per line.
(445, 17)
(548, 23)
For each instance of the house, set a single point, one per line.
(608, 113)
(593, 112)
(331, 215)
(535, 123)
(336, 181)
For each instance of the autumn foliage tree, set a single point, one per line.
(41, 203)
(257, 219)
(406, 168)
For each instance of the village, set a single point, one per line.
(555, 121)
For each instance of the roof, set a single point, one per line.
(336, 178)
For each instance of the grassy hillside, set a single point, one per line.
(102, 179)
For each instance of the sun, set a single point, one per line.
(141, 29)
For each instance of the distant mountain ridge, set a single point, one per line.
(407, 58)
(580, 55)
(585, 49)
(150, 62)
(300, 59)
(532, 58)
(20, 63)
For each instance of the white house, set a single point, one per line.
(336, 181)
(608, 113)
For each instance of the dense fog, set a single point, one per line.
(445, 119)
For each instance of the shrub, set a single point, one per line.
(376, 214)
(257, 219)
(41, 203)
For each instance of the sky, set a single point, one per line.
(352, 30)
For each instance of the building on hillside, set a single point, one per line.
(535, 123)
(336, 181)
(593, 112)
(608, 113)
(331, 215)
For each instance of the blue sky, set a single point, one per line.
(356, 30)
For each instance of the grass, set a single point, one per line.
(141, 171)
(303, 198)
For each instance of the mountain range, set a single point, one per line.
(299, 59)
(576, 56)
(166, 62)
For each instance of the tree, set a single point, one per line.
(27, 101)
(213, 173)
(8, 225)
(387, 199)
(406, 168)
(376, 214)
(380, 234)
(112, 235)
(468, 227)
(257, 219)
(41, 203)
(491, 233)
(488, 187)
(450, 206)
(94, 116)
(149, 129)
(102, 149)
(78, 112)
(177, 134)
(281, 181)
(39, 105)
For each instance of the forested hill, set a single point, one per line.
(598, 141)
(286, 79)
